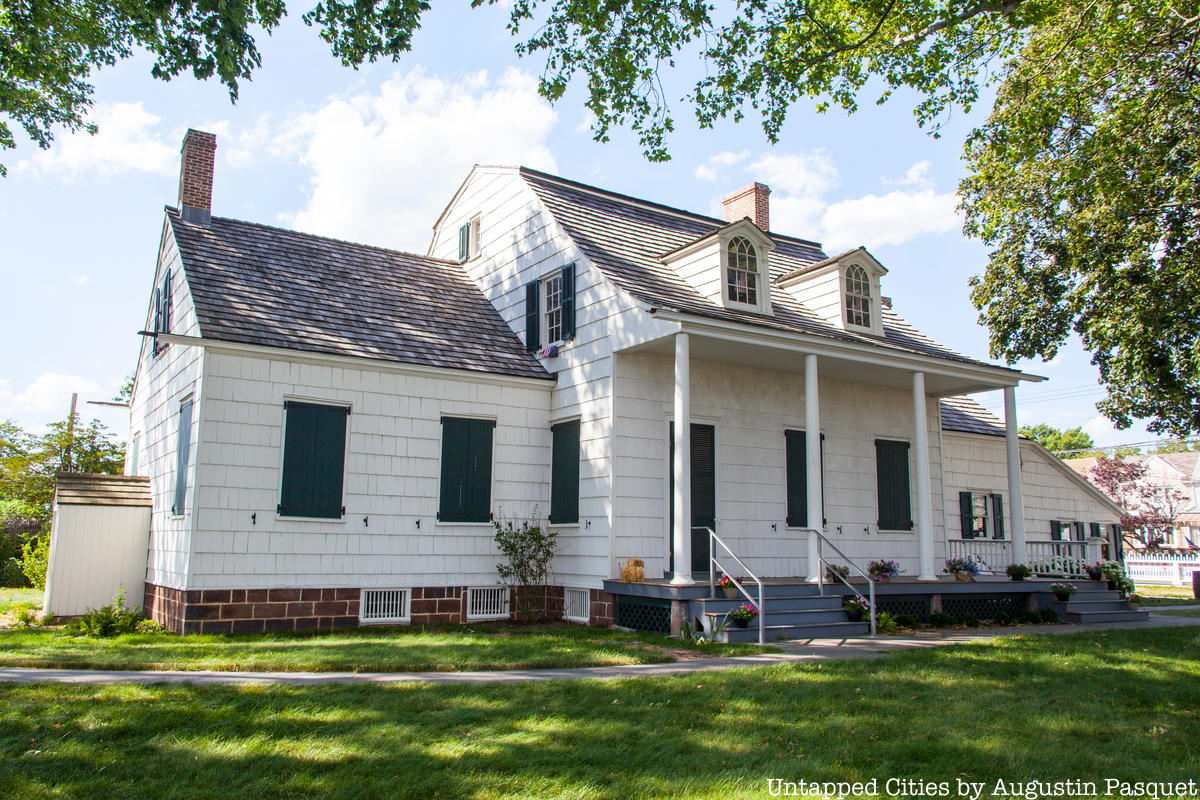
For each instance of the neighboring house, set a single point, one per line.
(329, 428)
(1174, 477)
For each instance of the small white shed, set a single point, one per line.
(98, 542)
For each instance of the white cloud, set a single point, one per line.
(917, 175)
(128, 141)
(710, 169)
(384, 163)
(809, 175)
(50, 393)
(585, 124)
(892, 218)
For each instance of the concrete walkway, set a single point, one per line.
(791, 652)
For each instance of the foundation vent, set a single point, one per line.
(383, 605)
(575, 605)
(487, 602)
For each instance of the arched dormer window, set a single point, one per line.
(858, 297)
(742, 271)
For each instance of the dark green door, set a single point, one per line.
(704, 494)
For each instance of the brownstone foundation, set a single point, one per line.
(271, 610)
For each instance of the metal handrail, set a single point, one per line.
(712, 579)
(821, 563)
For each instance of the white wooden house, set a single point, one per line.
(329, 428)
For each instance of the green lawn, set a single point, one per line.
(11, 598)
(364, 650)
(1167, 595)
(1119, 704)
(1181, 612)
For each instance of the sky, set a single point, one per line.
(374, 155)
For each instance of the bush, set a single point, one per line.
(969, 620)
(885, 623)
(114, 619)
(528, 548)
(1002, 618)
(906, 621)
(1048, 615)
(1018, 572)
(940, 619)
(34, 556)
(1030, 617)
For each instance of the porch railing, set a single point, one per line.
(714, 565)
(822, 564)
(1057, 557)
(993, 555)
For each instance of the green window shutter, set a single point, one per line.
(533, 323)
(464, 242)
(1118, 543)
(568, 302)
(997, 516)
(797, 478)
(182, 447)
(966, 513)
(895, 501)
(466, 484)
(1094, 529)
(314, 460)
(704, 476)
(166, 302)
(1056, 530)
(155, 347)
(1078, 532)
(564, 473)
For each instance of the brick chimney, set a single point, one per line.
(196, 176)
(750, 201)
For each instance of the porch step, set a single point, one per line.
(1115, 604)
(772, 633)
(789, 590)
(819, 601)
(1106, 616)
(803, 616)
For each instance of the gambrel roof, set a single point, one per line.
(254, 284)
(626, 238)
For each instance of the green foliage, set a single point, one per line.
(35, 555)
(1059, 441)
(51, 47)
(114, 619)
(1002, 618)
(940, 619)
(1048, 615)
(1030, 617)
(27, 616)
(29, 461)
(528, 549)
(1018, 572)
(906, 621)
(885, 623)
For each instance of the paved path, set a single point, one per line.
(792, 652)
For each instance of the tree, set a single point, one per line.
(1071, 441)
(49, 48)
(1149, 510)
(29, 462)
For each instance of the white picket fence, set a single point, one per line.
(1172, 570)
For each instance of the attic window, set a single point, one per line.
(858, 297)
(468, 240)
(742, 274)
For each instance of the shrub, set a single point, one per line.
(940, 619)
(34, 556)
(528, 548)
(969, 620)
(26, 615)
(885, 623)
(1048, 615)
(1030, 617)
(1018, 572)
(113, 619)
(1002, 618)
(906, 621)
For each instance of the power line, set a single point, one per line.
(1127, 445)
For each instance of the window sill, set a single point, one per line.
(328, 520)
(563, 525)
(439, 523)
(906, 531)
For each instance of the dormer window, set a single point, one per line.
(742, 271)
(858, 297)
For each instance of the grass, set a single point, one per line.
(1181, 612)
(11, 598)
(1167, 596)
(1120, 704)
(448, 649)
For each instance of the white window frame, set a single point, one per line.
(871, 312)
(405, 606)
(473, 244)
(728, 268)
(545, 309)
(587, 605)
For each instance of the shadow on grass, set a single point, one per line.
(1089, 706)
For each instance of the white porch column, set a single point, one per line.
(812, 461)
(682, 468)
(1016, 502)
(924, 508)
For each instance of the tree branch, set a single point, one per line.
(1005, 7)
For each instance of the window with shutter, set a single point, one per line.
(1077, 532)
(796, 467)
(162, 312)
(183, 443)
(464, 242)
(1055, 530)
(466, 475)
(564, 473)
(314, 459)
(966, 514)
(997, 516)
(895, 500)
(533, 321)
(558, 306)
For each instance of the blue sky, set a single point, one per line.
(373, 155)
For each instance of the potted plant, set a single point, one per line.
(963, 569)
(1095, 571)
(1018, 572)
(856, 607)
(728, 587)
(1134, 601)
(836, 573)
(742, 615)
(1112, 571)
(883, 570)
(1063, 591)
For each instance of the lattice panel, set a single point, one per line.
(983, 606)
(644, 614)
(915, 607)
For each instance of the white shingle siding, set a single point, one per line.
(162, 383)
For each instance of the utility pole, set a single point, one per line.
(70, 434)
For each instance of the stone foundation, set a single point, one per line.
(271, 610)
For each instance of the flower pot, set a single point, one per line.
(1134, 606)
(854, 616)
(1062, 597)
(741, 623)
(882, 578)
(1112, 585)
(1016, 577)
(964, 577)
(730, 591)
